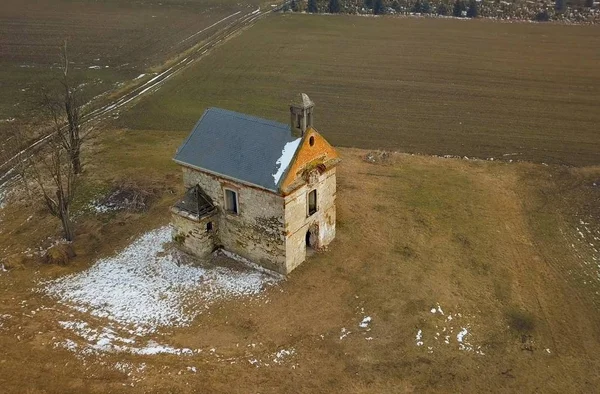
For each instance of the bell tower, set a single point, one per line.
(301, 114)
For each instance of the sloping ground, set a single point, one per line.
(440, 280)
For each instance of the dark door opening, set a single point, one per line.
(308, 239)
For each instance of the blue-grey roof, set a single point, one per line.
(238, 146)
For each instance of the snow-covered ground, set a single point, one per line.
(145, 287)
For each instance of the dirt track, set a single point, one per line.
(225, 28)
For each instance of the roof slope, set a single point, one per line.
(242, 147)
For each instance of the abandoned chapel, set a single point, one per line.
(257, 188)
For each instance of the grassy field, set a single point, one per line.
(481, 240)
(475, 88)
(109, 42)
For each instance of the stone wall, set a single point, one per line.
(298, 223)
(192, 234)
(257, 231)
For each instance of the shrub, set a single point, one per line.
(425, 8)
(334, 6)
(542, 16)
(442, 9)
(458, 9)
(473, 11)
(378, 8)
(417, 7)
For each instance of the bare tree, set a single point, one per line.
(66, 109)
(55, 175)
(14, 156)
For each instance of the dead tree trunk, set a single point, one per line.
(55, 175)
(72, 140)
(65, 216)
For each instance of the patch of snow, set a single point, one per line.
(140, 76)
(344, 333)
(365, 322)
(461, 334)
(419, 338)
(146, 287)
(94, 67)
(283, 354)
(286, 157)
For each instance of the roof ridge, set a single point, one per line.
(251, 118)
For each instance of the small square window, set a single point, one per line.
(231, 201)
(312, 202)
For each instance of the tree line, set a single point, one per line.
(456, 8)
(461, 8)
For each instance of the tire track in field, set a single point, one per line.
(7, 171)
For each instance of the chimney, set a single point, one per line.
(301, 114)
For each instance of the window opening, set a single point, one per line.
(312, 202)
(231, 201)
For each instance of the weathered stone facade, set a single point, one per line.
(320, 225)
(256, 232)
(269, 229)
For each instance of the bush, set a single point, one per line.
(442, 9)
(334, 6)
(473, 11)
(458, 9)
(378, 8)
(542, 16)
(312, 7)
(417, 7)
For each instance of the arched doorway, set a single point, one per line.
(312, 239)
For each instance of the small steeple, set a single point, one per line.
(301, 114)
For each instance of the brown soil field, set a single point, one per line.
(109, 42)
(495, 245)
(509, 91)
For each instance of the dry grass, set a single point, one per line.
(474, 88)
(412, 232)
